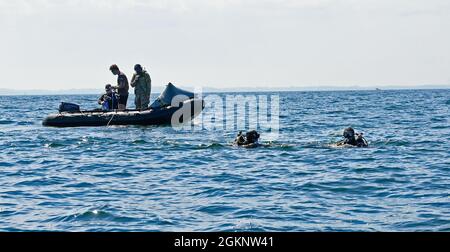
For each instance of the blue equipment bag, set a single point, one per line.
(105, 106)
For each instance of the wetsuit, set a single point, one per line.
(358, 141)
(250, 139)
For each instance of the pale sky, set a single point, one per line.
(64, 44)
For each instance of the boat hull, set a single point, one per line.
(129, 117)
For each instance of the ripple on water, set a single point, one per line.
(6, 164)
(92, 215)
(213, 146)
(80, 185)
(42, 182)
(217, 209)
(6, 122)
(140, 142)
(25, 123)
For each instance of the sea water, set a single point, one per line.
(155, 178)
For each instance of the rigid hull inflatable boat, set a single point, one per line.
(160, 112)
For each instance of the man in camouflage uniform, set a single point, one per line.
(142, 84)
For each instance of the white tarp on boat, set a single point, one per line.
(165, 99)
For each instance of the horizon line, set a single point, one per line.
(85, 91)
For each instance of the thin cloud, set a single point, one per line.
(30, 6)
(400, 6)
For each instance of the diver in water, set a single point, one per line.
(353, 139)
(249, 140)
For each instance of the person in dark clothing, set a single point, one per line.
(109, 100)
(249, 140)
(122, 86)
(353, 139)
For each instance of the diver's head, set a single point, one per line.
(114, 69)
(252, 136)
(138, 69)
(349, 133)
(108, 88)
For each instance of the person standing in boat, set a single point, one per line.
(142, 84)
(122, 86)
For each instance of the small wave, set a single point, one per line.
(25, 162)
(335, 112)
(7, 213)
(426, 225)
(444, 229)
(6, 164)
(337, 146)
(210, 146)
(390, 143)
(42, 182)
(174, 143)
(246, 226)
(210, 192)
(438, 119)
(80, 185)
(324, 145)
(139, 142)
(443, 126)
(53, 145)
(5, 122)
(25, 123)
(217, 209)
(278, 146)
(93, 215)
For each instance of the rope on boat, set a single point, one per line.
(112, 117)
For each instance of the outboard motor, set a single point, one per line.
(68, 107)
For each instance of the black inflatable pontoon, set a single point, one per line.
(160, 112)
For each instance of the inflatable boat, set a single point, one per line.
(173, 106)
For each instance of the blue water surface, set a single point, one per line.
(134, 178)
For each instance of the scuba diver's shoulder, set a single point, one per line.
(362, 142)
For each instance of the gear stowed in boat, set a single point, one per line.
(160, 112)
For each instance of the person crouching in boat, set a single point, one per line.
(109, 100)
(353, 139)
(142, 84)
(249, 140)
(122, 86)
